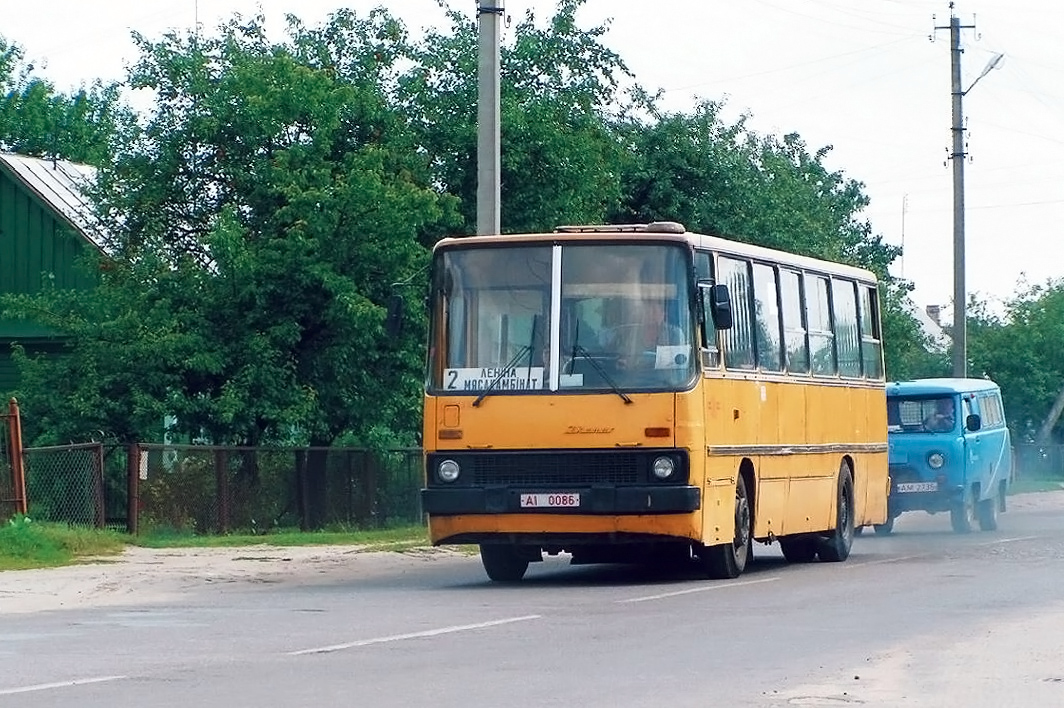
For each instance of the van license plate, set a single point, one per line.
(548, 501)
(917, 487)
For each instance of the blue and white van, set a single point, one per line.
(949, 451)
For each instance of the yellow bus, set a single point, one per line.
(642, 393)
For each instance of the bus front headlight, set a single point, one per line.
(935, 460)
(448, 471)
(663, 467)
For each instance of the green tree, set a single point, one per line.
(1020, 350)
(38, 121)
(256, 227)
(561, 161)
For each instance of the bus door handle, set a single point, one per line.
(629, 444)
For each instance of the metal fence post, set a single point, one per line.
(133, 487)
(221, 472)
(18, 471)
(98, 483)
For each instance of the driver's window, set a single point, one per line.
(704, 272)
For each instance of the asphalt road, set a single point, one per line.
(921, 618)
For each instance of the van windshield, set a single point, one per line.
(934, 414)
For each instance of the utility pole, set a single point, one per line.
(960, 318)
(489, 26)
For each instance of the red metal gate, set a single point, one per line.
(12, 474)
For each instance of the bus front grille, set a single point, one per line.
(558, 469)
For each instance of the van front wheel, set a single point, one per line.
(962, 514)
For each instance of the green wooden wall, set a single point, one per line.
(37, 246)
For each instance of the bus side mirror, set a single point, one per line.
(973, 422)
(721, 309)
(393, 320)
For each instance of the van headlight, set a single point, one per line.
(663, 467)
(935, 460)
(448, 471)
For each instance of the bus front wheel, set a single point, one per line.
(728, 560)
(503, 562)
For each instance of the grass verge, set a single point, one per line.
(382, 539)
(26, 544)
(1023, 486)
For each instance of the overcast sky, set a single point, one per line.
(860, 75)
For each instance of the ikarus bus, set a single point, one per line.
(642, 393)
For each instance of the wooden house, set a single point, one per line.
(46, 228)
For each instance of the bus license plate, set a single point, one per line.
(917, 487)
(547, 501)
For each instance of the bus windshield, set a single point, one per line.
(562, 318)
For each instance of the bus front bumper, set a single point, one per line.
(592, 500)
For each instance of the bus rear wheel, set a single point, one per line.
(836, 546)
(728, 560)
(503, 562)
(799, 548)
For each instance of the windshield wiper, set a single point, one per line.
(528, 349)
(578, 350)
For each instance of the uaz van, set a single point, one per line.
(949, 451)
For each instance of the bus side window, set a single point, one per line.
(818, 317)
(871, 339)
(847, 335)
(767, 318)
(739, 340)
(709, 345)
(796, 346)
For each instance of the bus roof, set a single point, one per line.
(939, 386)
(664, 231)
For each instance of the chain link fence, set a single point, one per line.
(216, 490)
(1039, 462)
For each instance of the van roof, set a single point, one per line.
(939, 386)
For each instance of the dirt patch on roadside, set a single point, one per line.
(146, 575)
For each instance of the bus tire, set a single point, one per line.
(799, 548)
(987, 512)
(962, 514)
(503, 562)
(728, 560)
(836, 546)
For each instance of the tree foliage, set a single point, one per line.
(39, 121)
(1020, 350)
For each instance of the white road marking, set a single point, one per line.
(881, 561)
(413, 635)
(701, 588)
(1007, 540)
(59, 684)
